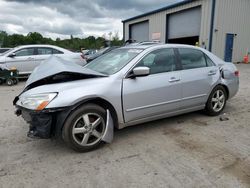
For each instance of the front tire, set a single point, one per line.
(216, 101)
(84, 128)
(9, 82)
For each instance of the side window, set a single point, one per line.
(192, 58)
(57, 51)
(25, 52)
(44, 51)
(210, 63)
(162, 60)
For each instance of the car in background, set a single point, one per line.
(2, 50)
(99, 53)
(89, 51)
(127, 86)
(133, 42)
(27, 57)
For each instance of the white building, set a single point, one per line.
(221, 26)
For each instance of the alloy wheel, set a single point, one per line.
(88, 129)
(218, 100)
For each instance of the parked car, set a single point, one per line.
(127, 86)
(99, 53)
(89, 52)
(2, 50)
(26, 58)
(144, 43)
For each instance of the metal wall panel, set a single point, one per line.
(140, 31)
(184, 24)
(157, 21)
(232, 16)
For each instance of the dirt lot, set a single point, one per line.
(191, 150)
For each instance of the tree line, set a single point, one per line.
(73, 43)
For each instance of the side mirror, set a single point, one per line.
(12, 55)
(140, 71)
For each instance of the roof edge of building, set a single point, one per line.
(159, 10)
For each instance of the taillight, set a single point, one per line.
(237, 73)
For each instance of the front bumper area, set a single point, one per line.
(43, 124)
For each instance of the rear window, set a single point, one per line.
(44, 51)
(210, 63)
(57, 51)
(47, 51)
(192, 58)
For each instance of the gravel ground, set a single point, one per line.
(191, 150)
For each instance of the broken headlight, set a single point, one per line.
(37, 101)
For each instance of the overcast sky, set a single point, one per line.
(81, 18)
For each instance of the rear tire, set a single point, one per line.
(216, 101)
(84, 128)
(15, 81)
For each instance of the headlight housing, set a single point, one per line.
(36, 101)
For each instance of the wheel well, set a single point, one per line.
(226, 88)
(106, 105)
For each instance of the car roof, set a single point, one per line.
(41, 45)
(145, 46)
(37, 45)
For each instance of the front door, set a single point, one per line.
(155, 94)
(23, 60)
(229, 47)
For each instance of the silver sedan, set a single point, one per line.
(26, 58)
(127, 86)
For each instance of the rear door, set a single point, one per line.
(198, 77)
(43, 53)
(157, 93)
(23, 60)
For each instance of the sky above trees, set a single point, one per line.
(80, 18)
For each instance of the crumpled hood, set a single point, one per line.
(55, 69)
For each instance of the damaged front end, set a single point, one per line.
(49, 123)
(44, 124)
(32, 106)
(41, 124)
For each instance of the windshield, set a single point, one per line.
(113, 61)
(6, 52)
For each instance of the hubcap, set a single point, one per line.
(218, 100)
(88, 129)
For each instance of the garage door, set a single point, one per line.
(139, 31)
(184, 24)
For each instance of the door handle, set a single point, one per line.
(212, 72)
(30, 58)
(173, 79)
